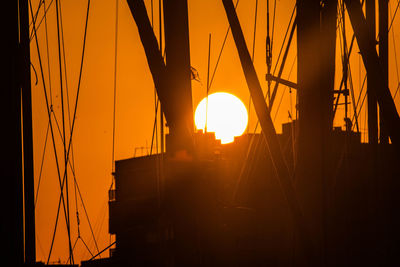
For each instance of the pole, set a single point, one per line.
(30, 246)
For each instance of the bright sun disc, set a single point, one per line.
(226, 116)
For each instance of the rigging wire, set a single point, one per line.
(252, 55)
(49, 116)
(208, 79)
(51, 102)
(115, 96)
(41, 20)
(347, 76)
(74, 117)
(41, 165)
(77, 188)
(244, 172)
(395, 52)
(72, 165)
(273, 26)
(222, 49)
(154, 135)
(115, 88)
(63, 128)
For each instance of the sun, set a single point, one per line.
(224, 114)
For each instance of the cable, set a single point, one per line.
(222, 48)
(49, 116)
(63, 128)
(115, 85)
(41, 20)
(394, 15)
(252, 55)
(395, 53)
(41, 164)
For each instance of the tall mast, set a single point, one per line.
(17, 198)
(383, 56)
(30, 239)
(372, 103)
(11, 198)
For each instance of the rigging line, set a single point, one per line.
(66, 83)
(252, 55)
(273, 25)
(84, 208)
(353, 98)
(49, 116)
(77, 186)
(63, 128)
(37, 12)
(349, 54)
(34, 18)
(397, 90)
(394, 15)
(76, 104)
(208, 84)
(109, 246)
(41, 20)
(345, 57)
(361, 106)
(284, 57)
(41, 165)
(222, 49)
(284, 91)
(254, 31)
(48, 54)
(155, 126)
(100, 219)
(72, 166)
(161, 108)
(154, 129)
(284, 39)
(246, 161)
(91, 254)
(362, 103)
(115, 85)
(79, 79)
(395, 55)
(155, 98)
(79, 192)
(268, 55)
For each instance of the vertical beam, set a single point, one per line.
(314, 107)
(178, 70)
(11, 198)
(170, 89)
(268, 130)
(383, 56)
(371, 98)
(366, 43)
(327, 57)
(30, 246)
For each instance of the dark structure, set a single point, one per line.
(17, 198)
(312, 196)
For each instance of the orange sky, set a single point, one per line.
(92, 141)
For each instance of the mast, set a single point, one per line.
(366, 42)
(313, 124)
(17, 198)
(383, 56)
(29, 198)
(372, 103)
(178, 73)
(11, 199)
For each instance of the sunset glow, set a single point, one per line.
(225, 115)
